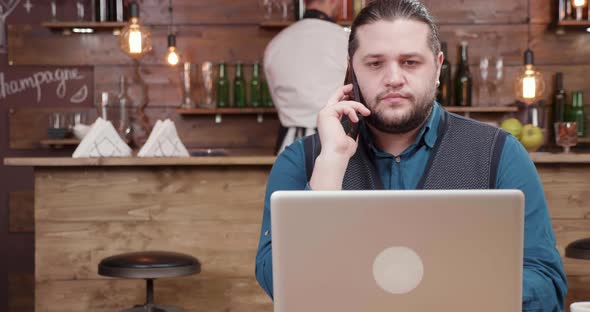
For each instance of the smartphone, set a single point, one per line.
(351, 128)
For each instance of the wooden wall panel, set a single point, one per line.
(196, 12)
(212, 213)
(566, 191)
(568, 198)
(250, 11)
(567, 231)
(478, 12)
(237, 133)
(28, 125)
(197, 43)
(578, 290)
(21, 212)
(191, 293)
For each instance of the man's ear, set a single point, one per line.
(439, 60)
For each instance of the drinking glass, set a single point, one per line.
(566, 135)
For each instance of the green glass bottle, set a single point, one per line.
(577, 112)
(222, 87)
(255, 92)
(267, 98)
(239, 87)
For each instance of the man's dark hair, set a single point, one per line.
(391, 10)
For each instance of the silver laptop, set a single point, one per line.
(412, 251)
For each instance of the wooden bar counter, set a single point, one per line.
(88, 209)
(211, 208)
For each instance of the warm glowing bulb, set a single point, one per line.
(529, 88)
(173, 57)
(135, 40)
(579, 3)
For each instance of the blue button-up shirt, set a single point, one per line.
(544, 281)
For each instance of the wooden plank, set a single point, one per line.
(163, 194)
(542, 11)
(234, 131)
(247, 43)
(578, 287)
(21, 212)
(566, 232)
(140, 161)
(226, 248)
(198, 12)
(478, 12)
(225, 111)
(196, 43)
(28, 127)
(566, 190)
(190, 293)
(560, 158)
(21, 292)
(101, 25)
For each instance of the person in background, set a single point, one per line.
(304, 64)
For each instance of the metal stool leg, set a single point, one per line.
(149, 305)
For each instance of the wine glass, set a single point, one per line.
(267, 5)
(6, 7)
(286, 7)
(566, 135)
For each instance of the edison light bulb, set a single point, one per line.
(579, 3)
(135, 39)
(530, 85)
(172, 57)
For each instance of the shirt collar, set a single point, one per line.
(317, 14)
(427, 135)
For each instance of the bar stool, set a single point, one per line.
(149, 265)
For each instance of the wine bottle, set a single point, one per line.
(444, 88)
(463, 80)
(239, 87)
(222, 87)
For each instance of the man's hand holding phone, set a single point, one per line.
(337, 146)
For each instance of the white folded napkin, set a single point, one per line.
(163, 142)
(102, 141)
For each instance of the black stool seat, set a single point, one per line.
(149, 265)
(579, 249)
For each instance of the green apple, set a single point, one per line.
(513, 126)
(532, 137)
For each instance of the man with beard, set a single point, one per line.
(408, 141)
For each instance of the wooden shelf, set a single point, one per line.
(60, 143)
(481, 109)
(574, 23)
(226, 111)
(560, 158)
(141, 161)
(285, 24)
(96, 26)
(583, 140)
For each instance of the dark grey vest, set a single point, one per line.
(465, 156)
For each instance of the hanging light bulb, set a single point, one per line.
(530, 85)
(135, 39)
(579, 3)
(172, 57)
